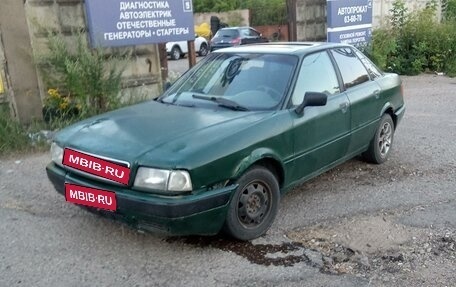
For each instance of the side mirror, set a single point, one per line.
(312, 99)
(167, 86)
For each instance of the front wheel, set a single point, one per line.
(381, 144)
(254, 205)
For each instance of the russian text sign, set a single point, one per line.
(349, 21)
(128, 22)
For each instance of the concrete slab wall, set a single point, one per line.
(23, 89)
(381, 9)
(142, 76)
(311, 20)
(3, 83)
(23, 27)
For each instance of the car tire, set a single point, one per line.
(381, 144)
(254, 205)
(203, 50)
(175, 53)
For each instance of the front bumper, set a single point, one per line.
(202, 213)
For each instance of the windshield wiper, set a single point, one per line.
(223, 102)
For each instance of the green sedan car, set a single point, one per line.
(224, 143)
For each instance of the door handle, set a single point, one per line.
(376, 94)
(344, 107)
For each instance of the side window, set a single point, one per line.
(254, 33)
(316, 75)
(374, 72)
(245, 32)
(352, 70)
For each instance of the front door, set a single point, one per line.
(321, 134)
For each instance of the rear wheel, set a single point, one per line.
(203, 50)
(254, 205)
(381, 144)
(175, 53)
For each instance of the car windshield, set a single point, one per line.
(235, 81)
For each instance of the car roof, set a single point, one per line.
(281, 47)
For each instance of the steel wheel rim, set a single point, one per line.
(254, 204)
(385, 139)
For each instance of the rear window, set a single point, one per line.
(232, 33)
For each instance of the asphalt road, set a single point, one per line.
(357, 225)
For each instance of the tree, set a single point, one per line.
(263, 12)
(200, 6)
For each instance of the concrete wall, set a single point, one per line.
(142, 77)
(23, 27)
(311, 20)
(21, 77)
(3, 83)
(381, 9)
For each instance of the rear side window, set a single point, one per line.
(352, 70)
(316, 75)
(251, 33)
(371, 68)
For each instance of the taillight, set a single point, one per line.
(236, 41)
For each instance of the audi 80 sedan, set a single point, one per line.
(221, 146)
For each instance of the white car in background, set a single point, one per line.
(176, 50)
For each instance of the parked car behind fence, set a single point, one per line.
(177, 50)
(235, 36)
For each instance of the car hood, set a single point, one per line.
(131, 133)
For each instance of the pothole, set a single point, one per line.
(285, 254)
(374, 245)
(368, 246)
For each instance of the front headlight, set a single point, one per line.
(160, 179)
(56, 153)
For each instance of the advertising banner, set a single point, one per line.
(115, 23)
(349, 21)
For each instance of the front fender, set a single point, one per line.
(255, 156)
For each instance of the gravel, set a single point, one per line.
(357, 225)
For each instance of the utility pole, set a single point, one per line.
(291, 15)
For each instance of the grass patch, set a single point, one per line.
(14, 138)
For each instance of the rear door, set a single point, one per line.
(364, 95)
(322, 134)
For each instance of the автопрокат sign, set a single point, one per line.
(133, 22)
(349, 21)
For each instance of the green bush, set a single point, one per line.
(267, 12)
(86, 80)
(449, 10)
(414, 42)
(262, 12)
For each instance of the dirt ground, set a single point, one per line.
(357, 225)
